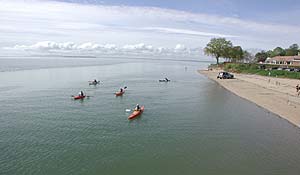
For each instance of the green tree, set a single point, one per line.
(248, 57)
(269, 53)
(294, 47)
(292, 50)
(278, 51)
(261, 56)
(218, 47)
(236, 54)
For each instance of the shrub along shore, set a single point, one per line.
(261, 69)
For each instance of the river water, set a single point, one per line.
(190, 125)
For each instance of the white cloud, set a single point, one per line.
(26, 22)
(95, 48)
(186, 32)
(141, 47)
(180, 47)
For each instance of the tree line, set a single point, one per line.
(293, 50)
(222, 48)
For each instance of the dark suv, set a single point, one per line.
(225, 75)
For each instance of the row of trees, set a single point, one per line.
(222, 48)
(278, 51)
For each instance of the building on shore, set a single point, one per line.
(284, 60)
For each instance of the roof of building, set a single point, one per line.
(284, 58)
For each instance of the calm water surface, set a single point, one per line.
(190, 125)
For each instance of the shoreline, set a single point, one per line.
(277, 95)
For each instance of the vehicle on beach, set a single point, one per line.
(225, 75)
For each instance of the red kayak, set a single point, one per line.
(79, 97)
(136, 113)
(120, 93)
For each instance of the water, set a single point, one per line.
(190, 125)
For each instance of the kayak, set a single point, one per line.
(119, 93)
(136, 113)
(94, 83)
(164, 80)
(79, 97)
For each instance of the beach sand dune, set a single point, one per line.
(277, 95)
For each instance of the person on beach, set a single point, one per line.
(137, 108)
(297, 88)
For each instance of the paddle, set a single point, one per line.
(129, 110)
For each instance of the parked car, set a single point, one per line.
(296, 70)
(225, 75)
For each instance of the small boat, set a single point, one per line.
(164, 80)
(79, 97)
(120, 93)
(94, 83)
(136, 113)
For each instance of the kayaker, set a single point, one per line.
(167, 79)
(95, 81)
(121, 89)
(81, 93)
(137, 108)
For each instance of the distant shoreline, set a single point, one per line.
(277, 95)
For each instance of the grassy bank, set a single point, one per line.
(264, 70)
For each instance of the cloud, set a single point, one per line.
(95, 48)
(186, 32)
(141, 47)
(180, 47)
(26, 22)
(50, 45)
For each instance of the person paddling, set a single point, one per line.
(81, 93)
(121, 89)
(137, 108)
(167, 79)
(95, 81)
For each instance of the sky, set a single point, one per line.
(156, 26)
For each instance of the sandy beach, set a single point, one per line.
(277, 95)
